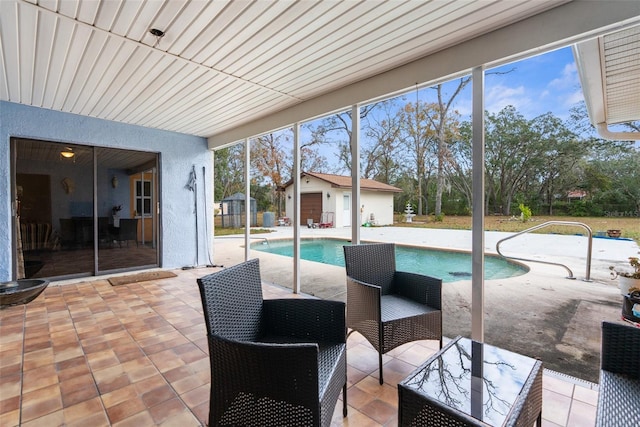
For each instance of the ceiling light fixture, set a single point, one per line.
(158, 34)
(67, 153)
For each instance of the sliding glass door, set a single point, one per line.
(79, 211)
(126, 188)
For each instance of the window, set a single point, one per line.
(143, 197)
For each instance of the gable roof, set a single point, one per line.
(341, 181)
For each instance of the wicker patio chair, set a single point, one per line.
(128, 231)
(388, 307)
(274, 362)
(619, 390)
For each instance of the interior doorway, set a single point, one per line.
(76, 211)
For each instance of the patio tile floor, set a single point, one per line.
(88, 353)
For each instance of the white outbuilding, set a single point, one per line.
(325, 200)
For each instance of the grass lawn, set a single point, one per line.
(629, 226)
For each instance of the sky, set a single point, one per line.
(544, 83)
(537, 85)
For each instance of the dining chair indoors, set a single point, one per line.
(388, 307)
(274, 362)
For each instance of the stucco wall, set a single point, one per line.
(380, 204)
(178, 152)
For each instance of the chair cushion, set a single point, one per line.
(394, 307)
(618, 400)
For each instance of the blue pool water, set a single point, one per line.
(449, 266)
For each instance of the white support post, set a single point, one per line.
(355, 175)
(477, 228)
(247, 198)
(296, 208)
(212, 179)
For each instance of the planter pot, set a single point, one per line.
(631, 308)
(21, 291)
(614, 233)
(626, 283)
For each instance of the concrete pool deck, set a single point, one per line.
(541, 314)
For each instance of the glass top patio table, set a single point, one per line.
(471, 383)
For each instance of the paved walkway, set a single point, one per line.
(541, 314)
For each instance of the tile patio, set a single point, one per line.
(88, 353)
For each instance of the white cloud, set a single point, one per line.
(573, 98)
(566, 88)
(568, 78)
(499, 96)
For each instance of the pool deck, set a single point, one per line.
(541, 314)
(94, 354)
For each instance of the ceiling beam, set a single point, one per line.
(568, 23)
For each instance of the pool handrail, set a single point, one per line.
(546, 224)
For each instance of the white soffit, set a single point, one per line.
(609, 69)
(621, 54)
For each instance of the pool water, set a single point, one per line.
(447, 265)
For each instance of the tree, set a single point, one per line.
(339, 125)
(512, 155)
(444, 125)
(311, 159)
(269, 157)
(627, 177)
(459, 164)
(379, 158)
(272, 159)
(560, 152)
(615, 178)
(420, 142)
(229, 169)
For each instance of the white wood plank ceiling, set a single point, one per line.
(221, 63)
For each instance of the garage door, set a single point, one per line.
(310, 207)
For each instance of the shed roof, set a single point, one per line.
(341, 181)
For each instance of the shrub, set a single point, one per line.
(525, 212)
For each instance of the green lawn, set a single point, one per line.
(629, 226)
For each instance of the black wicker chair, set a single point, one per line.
(388, 307)
(128, 230)
(278, 362)
(619, 391)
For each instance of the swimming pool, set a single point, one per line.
(447, 265)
